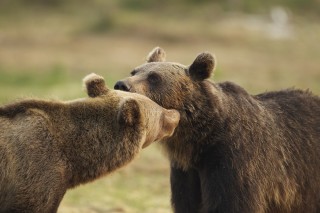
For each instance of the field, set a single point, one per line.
(46, 52)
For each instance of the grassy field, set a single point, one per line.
(45, 53)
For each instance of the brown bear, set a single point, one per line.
(232, 151)
(47, 147)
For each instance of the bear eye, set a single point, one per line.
(133, 72)
(154, 78)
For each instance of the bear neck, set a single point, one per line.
(213, 110)
(91, 140)
(201, 118)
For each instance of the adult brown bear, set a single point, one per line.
(47, 147)
(234, 152)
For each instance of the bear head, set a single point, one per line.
(135, 111)
(172, 85)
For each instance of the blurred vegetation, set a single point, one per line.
(49, 78)
(48, 46)
(312, 6)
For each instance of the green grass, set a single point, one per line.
(23, 83)
(26, 78)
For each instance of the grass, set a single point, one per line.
(23, 83)
(46, 53)
(139, 187)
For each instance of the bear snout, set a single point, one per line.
(122, 85)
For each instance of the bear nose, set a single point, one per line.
(121, 85)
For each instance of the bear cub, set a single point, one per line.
(232, 151)
(47, 147)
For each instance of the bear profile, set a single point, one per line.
(232, 151)
(47, 147)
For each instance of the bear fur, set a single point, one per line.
(232, 151)
(47, 147)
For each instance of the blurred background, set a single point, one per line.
(48, 46)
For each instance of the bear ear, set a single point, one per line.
(156, 55)
(95, 85)
(129, 114)
(202, 67)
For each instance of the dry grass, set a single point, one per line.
(48, 55)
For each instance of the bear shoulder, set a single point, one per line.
(287, 93)
(232, 88)
(292, 100)
(28, 105)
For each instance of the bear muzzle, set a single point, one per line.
(122, 85)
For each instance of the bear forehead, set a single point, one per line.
(159, 66)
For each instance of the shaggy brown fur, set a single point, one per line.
(47, 147)
(234, 152)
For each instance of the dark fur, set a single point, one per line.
(47, 147)
(234, 152)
